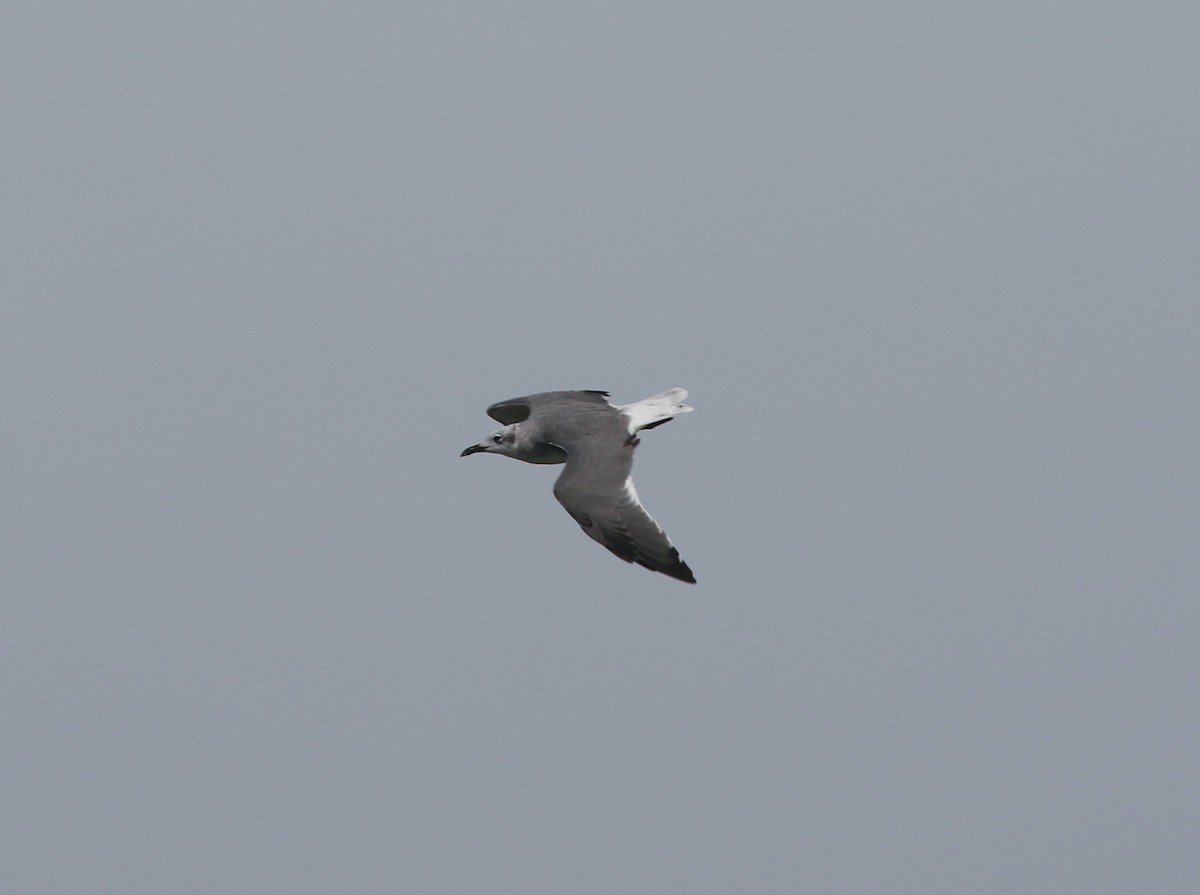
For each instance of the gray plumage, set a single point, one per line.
(596, 440)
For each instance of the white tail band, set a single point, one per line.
(658, 409)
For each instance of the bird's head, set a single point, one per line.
(502, 441)
(520, 444)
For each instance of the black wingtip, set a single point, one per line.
(621, 545)
(676, 568)
(680, 573)
(508, 412)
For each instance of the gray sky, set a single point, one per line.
(931, 277)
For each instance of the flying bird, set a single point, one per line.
(595, 439)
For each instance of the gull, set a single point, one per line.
(595, 439)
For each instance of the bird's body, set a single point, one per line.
(595, 439)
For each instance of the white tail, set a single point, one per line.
(651, 412)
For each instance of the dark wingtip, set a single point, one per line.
(508, 412)
(676, 569)
(620, 544)
(680, 573)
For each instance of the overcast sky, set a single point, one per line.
(931, 275)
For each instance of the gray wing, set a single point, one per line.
(596, 489)
(517, 410)
(508, 412)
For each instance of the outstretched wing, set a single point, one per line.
(596, 489)
(520, 409)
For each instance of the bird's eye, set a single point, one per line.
(496, 439)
